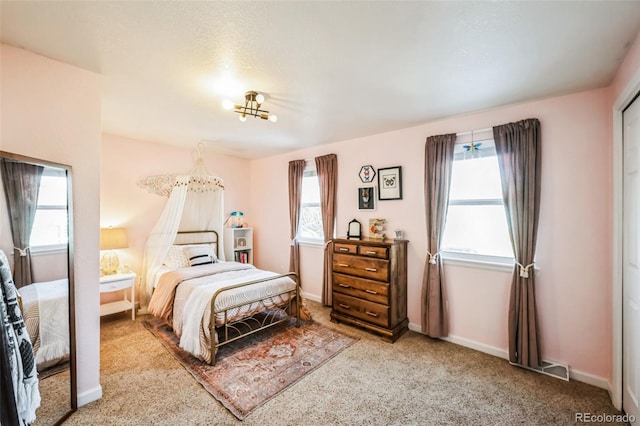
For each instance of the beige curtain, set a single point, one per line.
(296, 171)
(518, 150)
(437, 180)
(327, 169)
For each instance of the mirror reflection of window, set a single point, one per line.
(50, 224)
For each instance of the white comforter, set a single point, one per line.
(194, 288)
(46, 314)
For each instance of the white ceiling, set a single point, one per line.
(331, 71)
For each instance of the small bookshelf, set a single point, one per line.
(238, 244)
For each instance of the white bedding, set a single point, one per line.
(191, 304)
(46, 314)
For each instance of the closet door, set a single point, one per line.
(631, 261)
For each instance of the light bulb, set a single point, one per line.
(259, 98)
(227, 104)
(273, 118)
(243, 118)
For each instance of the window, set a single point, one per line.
(50, 224)
(310, 226)
(476, 221)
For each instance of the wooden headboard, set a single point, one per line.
(197, 237)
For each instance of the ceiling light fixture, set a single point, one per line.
(252, 102)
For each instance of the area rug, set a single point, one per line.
(251, 370)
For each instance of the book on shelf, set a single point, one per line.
(242, 256)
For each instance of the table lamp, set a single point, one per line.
(111, 239)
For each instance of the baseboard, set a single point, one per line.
(590, 379)
(89, 396)
(311, 297)
(481, 347)
(576, 375)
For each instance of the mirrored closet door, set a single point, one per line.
(36, 223)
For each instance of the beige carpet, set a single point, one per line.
(416, 381)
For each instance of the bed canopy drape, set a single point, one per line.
(195, 202)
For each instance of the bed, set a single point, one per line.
(45, 308)
(209, 303)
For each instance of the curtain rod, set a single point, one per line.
(471, 132)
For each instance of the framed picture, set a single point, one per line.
(366, 197)
(367, 174)
(390, 183)
(241, 242)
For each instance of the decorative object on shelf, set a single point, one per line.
(398, 234)
(236, 219)
(376, 228)
(355, 230)
(111, 239)
(241, 242)
(367, 174)
(366, 197)
(252, 103)
(390, 183)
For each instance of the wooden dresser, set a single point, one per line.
(370, 285)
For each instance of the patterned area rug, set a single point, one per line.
(251, 370)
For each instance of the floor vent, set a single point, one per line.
(553, 369)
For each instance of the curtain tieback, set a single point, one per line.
(326, 245)
(433, 257)
(524, 270)
(23, 252)
(293, 242)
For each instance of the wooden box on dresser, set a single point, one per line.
(370, 285)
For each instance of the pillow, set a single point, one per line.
(176, 258)
(200, 255)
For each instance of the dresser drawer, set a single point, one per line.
(366, 311)
(372, 251)
(377, 269)
(345, 248)
(361, 288)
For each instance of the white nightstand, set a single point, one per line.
(118, 282)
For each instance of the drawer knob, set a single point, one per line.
(342, 305)
(344, 265)
(343, 249)
(372, 314)
(371, 269)
(371, 252)
(371, 291)
(344, 285)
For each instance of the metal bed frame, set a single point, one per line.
(276, 313)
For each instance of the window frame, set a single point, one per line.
(484, 261)
(309, 170)
(59, 247)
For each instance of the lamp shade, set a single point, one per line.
(113, 238)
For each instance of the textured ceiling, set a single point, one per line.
(330, 70)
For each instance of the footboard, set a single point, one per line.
(274, 309)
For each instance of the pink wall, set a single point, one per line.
(51, 111)
(124, 204)
(573, 285)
